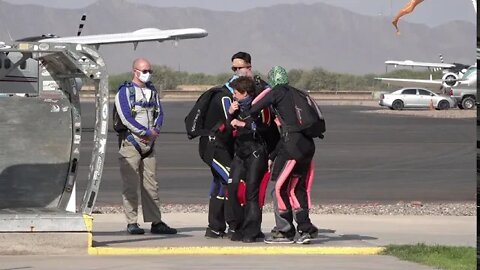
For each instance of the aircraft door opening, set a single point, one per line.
(41, 133)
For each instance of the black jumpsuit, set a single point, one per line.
(216, 151)
(294, 151)
(248, 168)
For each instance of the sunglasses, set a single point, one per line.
(237, 68)
(145, 71)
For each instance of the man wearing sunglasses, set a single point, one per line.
(216, 150)
(242, 66)
(241, 60)
(139, 110)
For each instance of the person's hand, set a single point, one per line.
(237, 123)
(144, 139)
(233, 107)
(153, 134)
(151, 137)
(270, 164)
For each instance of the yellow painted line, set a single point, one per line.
(232, 250)
(267, 250)
(89, 227)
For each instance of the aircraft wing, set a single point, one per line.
(411, 82)
(411, 63)
(141, 35)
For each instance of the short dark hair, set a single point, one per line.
(244, 84)
(244, 56)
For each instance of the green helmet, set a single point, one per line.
(277, 75)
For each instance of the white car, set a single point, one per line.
(416, 98)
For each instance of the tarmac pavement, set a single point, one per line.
(344, 242)
(339, 231)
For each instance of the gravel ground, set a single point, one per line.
(453, 113)
(415, 208)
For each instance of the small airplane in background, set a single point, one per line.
(454, 74)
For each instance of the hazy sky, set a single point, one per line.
(430, 12)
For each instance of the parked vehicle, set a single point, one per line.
(416, 98)
(465, 97)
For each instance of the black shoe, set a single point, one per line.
(162, 228)
(260, 235)
(249, 240)
(237, 236)
(133, 228)
(230, 233)
(209, 233)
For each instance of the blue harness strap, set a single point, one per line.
(135, 144)
(131, 97)
(133, 103)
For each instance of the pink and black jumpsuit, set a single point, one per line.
(292, 170)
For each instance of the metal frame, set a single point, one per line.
(68, 64)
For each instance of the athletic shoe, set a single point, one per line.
(278, 240)
(209, 233)
(278, 237)
(133, 228)
(304, 239)
(162, 228)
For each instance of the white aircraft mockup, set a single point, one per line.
(141, 35)
(40, 79)
(19, 72)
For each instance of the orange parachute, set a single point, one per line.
(404, 11)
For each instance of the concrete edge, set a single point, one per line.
(216, 250)
(88, 219)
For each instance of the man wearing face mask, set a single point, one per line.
(140, 111)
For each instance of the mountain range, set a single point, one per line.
(292, 35)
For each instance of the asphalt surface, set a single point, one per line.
(365, 157)
(344, 242)
(195, 262)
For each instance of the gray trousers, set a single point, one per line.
(136, 172)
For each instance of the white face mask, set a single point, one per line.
(144, 77)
